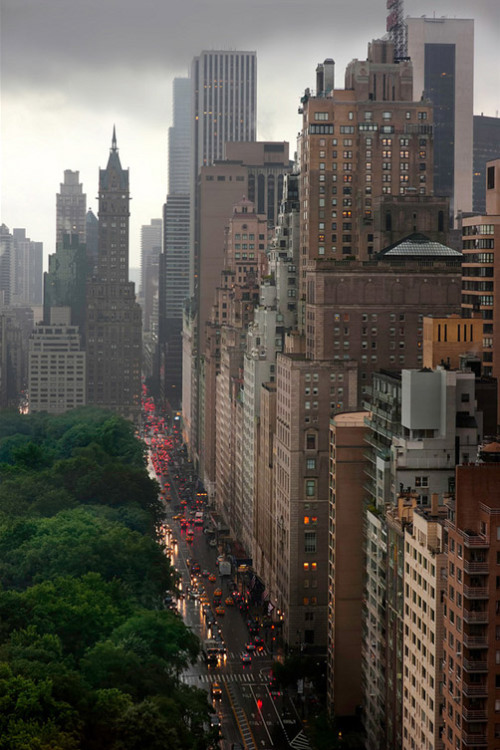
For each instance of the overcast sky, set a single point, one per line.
(71, 69)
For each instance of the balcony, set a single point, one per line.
(477, 641)
(473, 567)
(474, 740)
(474, 714)
(478, 665)
(476, 592)
(481, 618)
(474, 540)
(474, 690)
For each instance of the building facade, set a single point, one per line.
(442, 53)
(471, 698)
(56, 365)
(486, 148)
(71, 208)
(174, 268)
(481, 271)
(113, 320)
(345, 563)
(367, 140)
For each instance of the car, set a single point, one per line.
(259, 643)
(205, 573)
(212, 543)
(215, 722)
(250, 647)
(212, 577)
(273, 685)
(216, 690)
(245, 658)
(220, 611)
(195, 568)
(218, 593)
(229, 601)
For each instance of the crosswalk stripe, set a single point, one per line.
(300, 742)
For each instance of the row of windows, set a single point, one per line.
(478, 229)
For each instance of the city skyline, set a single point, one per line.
(47, 69)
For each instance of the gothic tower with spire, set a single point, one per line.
(113, 321)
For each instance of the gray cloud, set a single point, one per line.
(72, 68)
(43, 42)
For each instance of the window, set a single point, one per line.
(310, 487)
(311, 441)
(321, 116)
(310, 541)
(311, 463)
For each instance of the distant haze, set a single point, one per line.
(72, 69)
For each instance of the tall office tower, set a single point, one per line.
(486, 148)
(224, 100)
(56, 365)
(481, 270)
(470, 640)
(224, 91)
(180, 139)
(151, 238)
(174, 264)
(113, 324)
(65, 281)
(6, 260)
(442, 53)
(71, 207)
(92, 240)
(26, 270)
(367, 140)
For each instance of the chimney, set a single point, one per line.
(325, 77)
(320, 79)
(328, 76)
(434, 504)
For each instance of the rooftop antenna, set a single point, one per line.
(397, 29)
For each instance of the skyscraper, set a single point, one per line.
(71, 206)
(486, 148)
(26, 270)
(113, 324)
(65, 281)
(150, 251)
(224, 87)
(174, 263)
(442, 53)
(224, 96)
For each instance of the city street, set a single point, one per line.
(253, 714)
(250, 713)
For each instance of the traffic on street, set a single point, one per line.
(250, 710)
